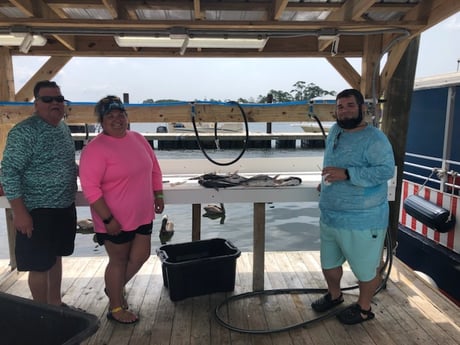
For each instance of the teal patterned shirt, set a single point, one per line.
(39, 164)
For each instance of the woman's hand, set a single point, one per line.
(159, 205)
(113, 228)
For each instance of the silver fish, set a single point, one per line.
(260, 181)
(268, 181)
(220, 181)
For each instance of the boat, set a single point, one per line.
(320, 110)
(205, 127)
(313, 126)
(431, 169)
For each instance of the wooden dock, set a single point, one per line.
(409, 311)
(227, 140)
(190, 136)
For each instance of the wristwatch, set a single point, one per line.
(108, 219)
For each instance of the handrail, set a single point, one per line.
(442, 174)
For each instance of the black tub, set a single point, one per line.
(199, 267)
(26, 322)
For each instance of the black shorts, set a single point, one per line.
(124, 236)
(53, 236)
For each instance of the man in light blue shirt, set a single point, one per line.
(358, 162)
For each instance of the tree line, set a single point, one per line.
(301, 91)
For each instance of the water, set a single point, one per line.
(289, 226)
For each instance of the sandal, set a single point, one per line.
(114, 311)
(124, 304)
(326, 302)
(354, 314)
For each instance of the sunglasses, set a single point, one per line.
(49, 99)
(336, 141)
(108, 104)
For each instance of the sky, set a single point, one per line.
(189, 79)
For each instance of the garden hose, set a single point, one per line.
(384, 272)
(216, 139)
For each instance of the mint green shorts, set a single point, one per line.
(361, 248)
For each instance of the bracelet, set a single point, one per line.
(159, 196)
(108, 219)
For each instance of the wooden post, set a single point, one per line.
(396, 120)
(196, 222)
(259, 247)
(11, 236)
(269, 124)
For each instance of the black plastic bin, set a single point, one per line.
(26, 322)
(199, 267)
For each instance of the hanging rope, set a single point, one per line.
(433, 171)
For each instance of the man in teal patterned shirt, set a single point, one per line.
(40, 180)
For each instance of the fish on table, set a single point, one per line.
(217, 181)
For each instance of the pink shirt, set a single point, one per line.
(125, 171)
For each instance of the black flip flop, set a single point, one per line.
(326, 302)
(354, 314)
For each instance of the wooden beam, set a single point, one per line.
(432, 12)
(111, 6)
(396, 119)
(84, 113)
(25, 6)
(370, 62)
(393, 59)
(197, 9)
(123, 25)
(346, 70)
(440, 10)
(6, 91)
(280, 6)
(351, 10)
(46, 72)
(6, 75)
(67, 41)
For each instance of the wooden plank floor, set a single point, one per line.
(409, 311)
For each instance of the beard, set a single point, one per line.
(351, 123)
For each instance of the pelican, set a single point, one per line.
(85, 226)
(167, 229)
(215, 210)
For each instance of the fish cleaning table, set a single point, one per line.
(193, 193)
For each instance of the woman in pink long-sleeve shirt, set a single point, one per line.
(122, 181)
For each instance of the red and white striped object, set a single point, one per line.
(450, 239)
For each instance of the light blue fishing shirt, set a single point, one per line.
(361, 202)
